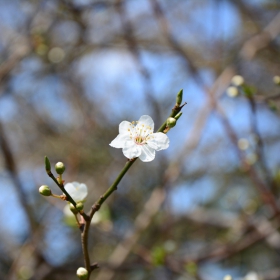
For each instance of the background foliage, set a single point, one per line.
(71, 71)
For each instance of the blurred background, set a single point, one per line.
(72, 70)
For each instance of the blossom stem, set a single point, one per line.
(112, 188)
(77, 220)
(56, 196)
(96, 206)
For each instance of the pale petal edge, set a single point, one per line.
(131, 150)
(119, 141)
(147, 121)
(147, 154)
(158, 141)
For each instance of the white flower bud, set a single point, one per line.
(82, 273)
(237, 80)
(276, 80)
(232, 91)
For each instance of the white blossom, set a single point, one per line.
(77, 191)
(138, 140)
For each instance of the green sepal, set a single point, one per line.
(177, 117)
(47, 164)
(80, 206)
(179, 97)
(73, 209)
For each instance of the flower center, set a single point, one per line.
(140, 133)
(139, 140)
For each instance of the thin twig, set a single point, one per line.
(96, 206)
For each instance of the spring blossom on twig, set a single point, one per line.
(138, 140)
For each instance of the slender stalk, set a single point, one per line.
(95, 208)
(84, 239)
(112, 188)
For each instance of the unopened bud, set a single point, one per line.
(73, 209)
(276, 80)
(171, 122)
(237, 80)
(45, 190)
(80, 206)
(60, 168)
(47, 164)
(232, 91)
(82, 273)
(179, 98)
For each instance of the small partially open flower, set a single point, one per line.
(77, 191)
(139, 140)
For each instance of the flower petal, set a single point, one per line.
(147, 121)
(76, 190)
(148, 153)
(131, 150)
(119, 141)
(158, 141)
(125, 127)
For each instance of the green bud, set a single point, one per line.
(73, 209)
(47, 164)
(158, 255)
(80, 206)
(45, 190)
(179, 97)
(177, 117)
(171, 122)
(60, 168)
(82, 273)
(248, 91)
